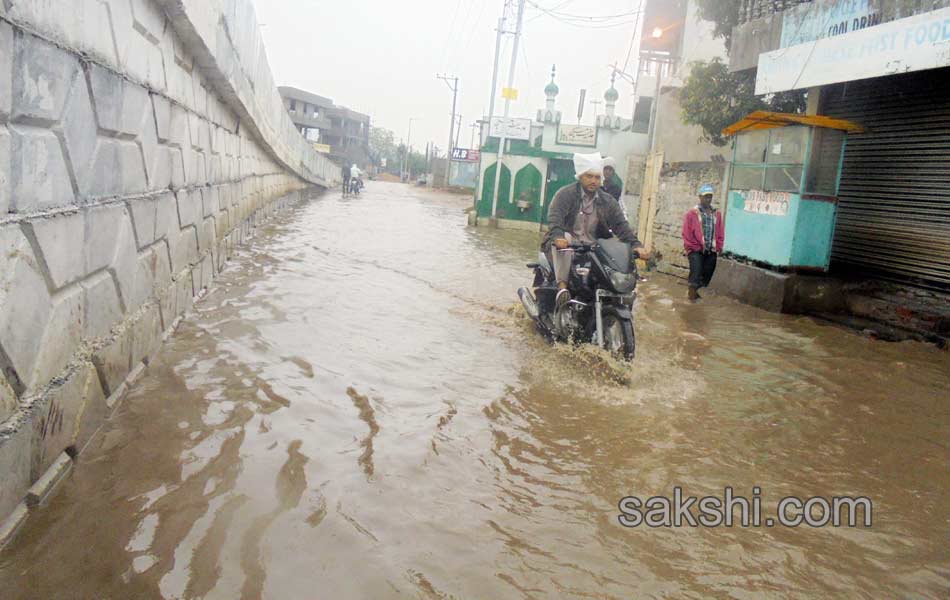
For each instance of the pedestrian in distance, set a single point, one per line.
(346, 172)
(610, 185)
(703, 237)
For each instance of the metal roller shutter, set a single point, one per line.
(894, 200)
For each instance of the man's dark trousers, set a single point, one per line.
(701, 268)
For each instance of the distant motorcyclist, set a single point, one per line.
(583, 212)
(356, 178)
(346, 173)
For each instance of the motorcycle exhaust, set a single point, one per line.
(529, 303)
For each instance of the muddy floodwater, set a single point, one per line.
(358, 409)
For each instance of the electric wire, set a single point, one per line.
(588, 21)
(478, 21)
(448, 37)
(633, 38)
(452, 53)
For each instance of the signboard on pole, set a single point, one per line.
(509, 93)
(510, 128)
(465, 155)
(912, 44)
(577, 135)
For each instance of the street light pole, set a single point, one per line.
(499, 163)
(656, 34)
(656, 102)
(494, 73)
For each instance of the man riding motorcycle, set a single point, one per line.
(356, 179)
(583, 212)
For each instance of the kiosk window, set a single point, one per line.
(824, 161)
(747, 178)
(786, 178)
(787, 146)
(750, 147)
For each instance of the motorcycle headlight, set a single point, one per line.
(623, 282)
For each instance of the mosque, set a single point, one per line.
(537, 161)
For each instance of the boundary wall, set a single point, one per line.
(140, 142)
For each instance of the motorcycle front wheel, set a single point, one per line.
(619, 337)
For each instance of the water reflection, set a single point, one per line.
(370, 416)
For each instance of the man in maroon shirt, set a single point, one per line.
(703, 237)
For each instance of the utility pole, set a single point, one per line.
(455, 92)
(408, 142)
(473, 127)
(499, 163)
(494, 73)
(458, 131)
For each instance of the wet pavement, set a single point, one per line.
(358, 410)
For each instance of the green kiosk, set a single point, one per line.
(783, 188)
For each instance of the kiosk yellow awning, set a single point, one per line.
(762, 119)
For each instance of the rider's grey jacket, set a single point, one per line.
(567, 203)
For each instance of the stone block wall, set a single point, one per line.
(679, 183)
(140, 142)
(632, 187)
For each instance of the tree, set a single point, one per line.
(714, 98)
(723, 14)
(382, 144)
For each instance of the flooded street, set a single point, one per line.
(358, 409)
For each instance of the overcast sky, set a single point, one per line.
(381, 57)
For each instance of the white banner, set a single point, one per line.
(912, 44)
(766, 203)
(513, 129)
(577, 135)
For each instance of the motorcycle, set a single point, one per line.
(356, 185)
(602, 283)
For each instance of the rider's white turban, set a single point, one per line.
(610, 162)
(588, 163)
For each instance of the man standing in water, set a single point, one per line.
(703, 236)
(583, 212)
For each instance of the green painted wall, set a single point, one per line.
(488, 188)
(528, 183)
(560, 174)
(522, 148)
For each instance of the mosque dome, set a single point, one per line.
(551, 89)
